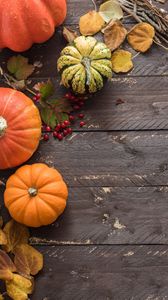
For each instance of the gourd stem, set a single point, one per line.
(3, 126)
(32, 192)
(86, 63)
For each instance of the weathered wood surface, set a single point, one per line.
(108, 158)
(112, 242)
(104, 273)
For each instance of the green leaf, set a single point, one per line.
(19, 67)
(55, 112)
(46, 89)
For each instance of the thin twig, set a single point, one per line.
(95, 6)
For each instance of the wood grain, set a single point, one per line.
(103, 273)
(108, 158)
(110, 216)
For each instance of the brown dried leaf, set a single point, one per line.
(7, 267)
(122, 61)
(91, 23)
(69, 34)
(28, 260)
(114, 35)
(19, 287)
(141, 37)
(3, 239)
(16, 234)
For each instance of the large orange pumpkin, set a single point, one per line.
(35, 195)
(24, 22)
(20, 128)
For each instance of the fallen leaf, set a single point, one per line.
(19, 67)
(3, 239)
(114, 34)
(1, 297)
(19, 287)
(141, 37)
(46, 89)
(121, 61)
(16, 234)
(28, 260)
(69, 34)
(56, 111)
(91, 23)
(7, 267)
(111, 10)
(19, 85)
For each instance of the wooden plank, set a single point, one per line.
(107, 158)
(104, 273)
(110, 216)
(145, 104)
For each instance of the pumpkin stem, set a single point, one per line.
(3, 126)
(32, 192)
(86, 63)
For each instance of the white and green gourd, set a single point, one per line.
(84, 65)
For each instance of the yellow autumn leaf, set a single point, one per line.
(1, 297)
(111, 10)
(91, 23)
(141, 37)
(3, 239)
(16, 234)
(28, 260)
(19, 287)
(114, 34)
(122, 61)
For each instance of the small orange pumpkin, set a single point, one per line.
(24, 22)
(20, 128)
(36, 195)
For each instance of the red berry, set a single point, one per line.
(81, 116)
(63, 126)
(38, 96)
(72, 98)
(68, 96)
(67, 123)
(81, 103)
(58, 127)
(69, 130)
(48, 128)
(65, 132)
(46, 137)
(71, 118)
(55, 134)
(60, 137)
(76, 107)
(35, 98)
(82, 124)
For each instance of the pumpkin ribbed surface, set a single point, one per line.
(35, 195)
(84, 65)
(20, 128)
(24, 22)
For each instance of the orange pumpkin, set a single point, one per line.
(24, 22)
(20, 128)
(36, 195)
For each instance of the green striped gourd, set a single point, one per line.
(84, 65)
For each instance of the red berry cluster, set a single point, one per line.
(37, 97)
(62, 130)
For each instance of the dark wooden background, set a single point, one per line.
(112, 240)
